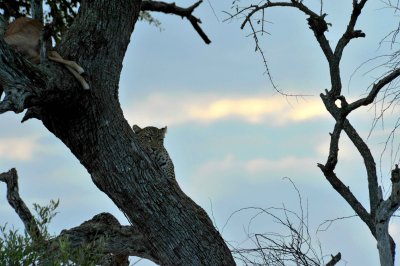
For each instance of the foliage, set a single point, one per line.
(146, 16)
(59, 13)
(21, 249)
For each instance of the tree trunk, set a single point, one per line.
(91, 123)
(385, 244)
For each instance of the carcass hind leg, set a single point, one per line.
(53, 55)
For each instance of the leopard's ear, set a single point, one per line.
(163, 131)
(136, 129)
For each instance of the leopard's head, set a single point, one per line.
(151, 136)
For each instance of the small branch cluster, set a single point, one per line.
(316, 22)
(171, 8)
(293, 245)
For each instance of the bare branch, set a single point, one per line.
(251, 11)
(317, 22)
(13, 197)
(334, 146)
(346, 194)
(171, 8)
(376, 88)
(388, 207)
(350, 32)
(319, 26)
(327, 223)
(294, 246)
(335, 259)
(328, 168)
(369, 163)
(340, 116)
(296, 4)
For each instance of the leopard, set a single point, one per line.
(152, 140)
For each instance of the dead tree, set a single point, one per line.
(381, 210)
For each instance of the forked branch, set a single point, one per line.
(350, 32)
(14, 199)
(172, 8)
(342, 124)
(316, 22)
(319, 26)
(256, 8)
(337, 184)
(369, 163)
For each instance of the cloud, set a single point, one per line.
(215, 179)
(22, 148)
(169, 109)
(222, 177)
(287, 165)
(229, 163)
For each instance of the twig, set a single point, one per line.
(335, 259)
(270, 248)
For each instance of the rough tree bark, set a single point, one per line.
(171, 228)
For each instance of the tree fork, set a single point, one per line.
(92, 126)
(99, 136)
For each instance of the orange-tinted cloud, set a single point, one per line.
(167, 109)
(22, 148)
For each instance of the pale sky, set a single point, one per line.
(232, 138)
